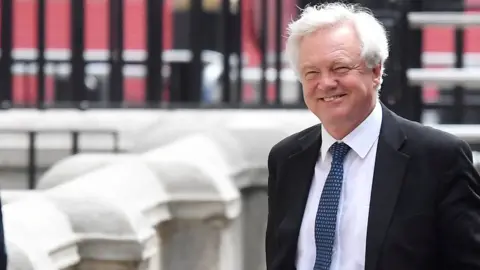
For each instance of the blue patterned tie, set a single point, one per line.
(326, 219)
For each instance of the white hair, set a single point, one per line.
(371, 32)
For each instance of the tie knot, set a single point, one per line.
(339, 150)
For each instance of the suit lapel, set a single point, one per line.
(298, 173)
(390, 166)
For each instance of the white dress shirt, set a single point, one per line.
(352, 217)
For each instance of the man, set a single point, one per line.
(366, 189)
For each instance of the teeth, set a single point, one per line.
(331, 98)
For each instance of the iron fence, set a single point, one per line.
(75, 135)
(458, 85)
(209, 62)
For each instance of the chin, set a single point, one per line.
(335, 115)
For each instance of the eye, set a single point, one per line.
(341, 69)
(310, 74)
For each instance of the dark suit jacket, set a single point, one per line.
(3, 251)
(425, 201)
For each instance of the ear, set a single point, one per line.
(377, 73)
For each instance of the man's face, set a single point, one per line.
(337, 86)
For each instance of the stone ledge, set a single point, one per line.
(74, 166)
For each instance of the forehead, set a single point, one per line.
(329, 44)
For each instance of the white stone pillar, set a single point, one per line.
(38, 236)
(116, 210)
(204, 233)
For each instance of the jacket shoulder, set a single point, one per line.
(429, 135)
(434, 144)
(289, 144)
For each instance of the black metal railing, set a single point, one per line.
(458, 105)
(185, 80)
(76, 91)
(188, 74)
(75, 135)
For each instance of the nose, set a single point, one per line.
(327, 81)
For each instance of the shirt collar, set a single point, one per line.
(361, 139)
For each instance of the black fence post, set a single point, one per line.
(278, 50)
(412, 95)
(75, 143)
(41, 54)
(301, 4)
(154, 85)
(194, 91)
(459, 109)
(226, 26)
(393, 92)
(264, 50)
(116, 142)
(239, 52)
(32, 159)
(116, 53)
(6, 60)
(77, 76)
(453, 105)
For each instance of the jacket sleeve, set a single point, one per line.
(269, 236)
(3, 249)
(459, 212)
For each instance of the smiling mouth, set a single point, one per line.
(332, 98)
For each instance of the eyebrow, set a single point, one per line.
(307, 66)
(342, 60)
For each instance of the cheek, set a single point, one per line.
(356, 86)
(309, 89)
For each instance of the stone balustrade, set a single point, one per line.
(188, 191)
